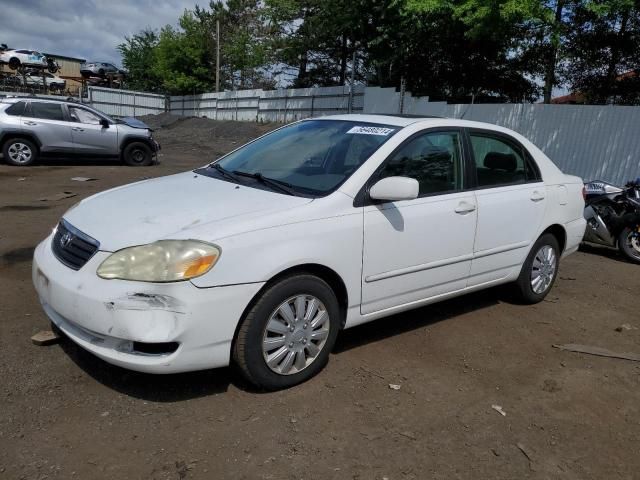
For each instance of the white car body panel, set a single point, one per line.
(390, 257)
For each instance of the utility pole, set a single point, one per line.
(352, 82)
(217, 55)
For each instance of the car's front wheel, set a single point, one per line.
(19, 152)
(287, 335)
(137, 154)
(539, 271)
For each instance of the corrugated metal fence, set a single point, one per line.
(283, 105)
(594, 142)
(126, 103)
(591, 141)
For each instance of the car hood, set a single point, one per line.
(135, 123)
(182, 206)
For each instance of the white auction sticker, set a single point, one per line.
(371, 130)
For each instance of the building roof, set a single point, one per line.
(64, 57)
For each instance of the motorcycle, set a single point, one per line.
(613, 216)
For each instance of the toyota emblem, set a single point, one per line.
(66, 239)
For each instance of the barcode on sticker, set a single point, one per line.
(371, 130)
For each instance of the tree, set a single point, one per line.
(182, 58)
(138, 59)
(604, 52)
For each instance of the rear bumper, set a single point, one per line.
(106, 317)
(575, 234)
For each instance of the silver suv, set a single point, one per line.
(35, 127)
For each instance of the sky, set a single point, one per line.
(89, 29)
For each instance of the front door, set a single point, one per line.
(511, 205)
(89, 137)
(417, 249)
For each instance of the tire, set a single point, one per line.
(19, 152)
(14, 63)
(293, 361)
(137, 154)
(541, 265)
(101, 72)
(629, 243)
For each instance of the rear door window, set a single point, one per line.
(45, 111)
(499, 161)
(16, 109)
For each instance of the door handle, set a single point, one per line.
(537, 197)
(463, 208)
(77, 129)
(30, 123)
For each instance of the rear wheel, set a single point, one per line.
(539, 271)
(14, 63)
(288, 334)
(137, 154)
(629, 243)
(19, 152)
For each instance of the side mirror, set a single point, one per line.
(393, 189)
(104, 123)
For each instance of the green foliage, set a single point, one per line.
(486, 50)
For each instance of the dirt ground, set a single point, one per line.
(65, 414)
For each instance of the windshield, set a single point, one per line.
(313, 157)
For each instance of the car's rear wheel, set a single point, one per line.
(137, 154)
(19, 152)
(629, 243)
(287, 335)
(14, 63)
(539, 270)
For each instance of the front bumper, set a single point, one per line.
(106, 317)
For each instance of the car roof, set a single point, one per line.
(38, 99)
(399, 120)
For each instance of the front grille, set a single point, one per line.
(72, 247)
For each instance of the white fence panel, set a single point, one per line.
(126, 103)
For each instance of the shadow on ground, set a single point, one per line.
(186, 386)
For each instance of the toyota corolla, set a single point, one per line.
(262, 257)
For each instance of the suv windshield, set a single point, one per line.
(312, 157)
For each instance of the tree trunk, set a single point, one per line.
(303, 80)
(344, 53)
(552, 59)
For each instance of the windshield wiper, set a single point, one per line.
(225, 173)
(272, 182)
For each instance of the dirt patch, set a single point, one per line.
(66, 414)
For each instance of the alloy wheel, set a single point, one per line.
(295, 334)
(543, 269)
(20, 153)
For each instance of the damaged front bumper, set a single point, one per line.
(148, 327)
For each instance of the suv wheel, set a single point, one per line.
(286, 337)
(19, 152)
(137, 154)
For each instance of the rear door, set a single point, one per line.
(89, 137)
(511, 204)
(48, 122)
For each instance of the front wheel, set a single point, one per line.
(137, 154)
(287, 335)
(629, 243)
(539, 271)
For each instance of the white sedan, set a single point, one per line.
(263, 256)
(23, 58)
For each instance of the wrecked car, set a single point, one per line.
(262, 257)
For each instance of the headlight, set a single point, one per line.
(162, 261)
